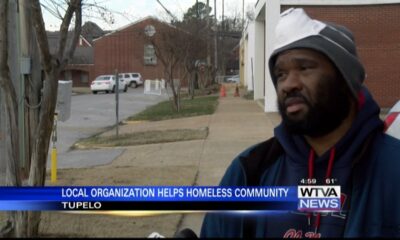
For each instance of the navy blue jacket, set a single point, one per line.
(367, 166)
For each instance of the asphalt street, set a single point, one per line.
(91, 114)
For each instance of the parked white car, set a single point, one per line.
(132, 79)
(233, 79)
(392, 121)
(106, 83)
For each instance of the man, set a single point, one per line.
(330, 130)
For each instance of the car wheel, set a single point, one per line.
(94, 92)
(125, 88)
(113, 89)
(107, 91)
(133, 85)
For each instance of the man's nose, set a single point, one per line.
(292, 82)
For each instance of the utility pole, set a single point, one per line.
(15, 75)
(21, 87)
(21, 92)
(215, 38)
(13, 153)
(25, 71)
(116, 102)
(242, 14)
(223, 15)
(208, 42)
(169, 13)
(223, 31)
(197, 9)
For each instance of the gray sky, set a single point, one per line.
(128, 11)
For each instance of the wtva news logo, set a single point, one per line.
(318, 198)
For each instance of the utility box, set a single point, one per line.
(63, 107)
(25, 65)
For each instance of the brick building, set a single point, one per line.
(127, 50)
(81, 66)
(376, 28)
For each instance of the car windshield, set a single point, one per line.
(100, 78)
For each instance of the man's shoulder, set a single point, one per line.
(251, 163)
(387, 152)
(239, 163)
(388, 145)
(257, 148)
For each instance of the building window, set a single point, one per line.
(149, 55)
(84, 77)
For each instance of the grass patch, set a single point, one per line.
(189, 108)
(140, 138)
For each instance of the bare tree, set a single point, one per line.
(195, 54)
(9, 97)
(197, 22)
(229, 38)
(172, 46)
(26, 224)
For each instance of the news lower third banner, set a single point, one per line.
(170, 198)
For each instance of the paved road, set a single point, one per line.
(90, 114)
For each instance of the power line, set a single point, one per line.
(169, 13)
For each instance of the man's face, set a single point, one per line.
(313, 98)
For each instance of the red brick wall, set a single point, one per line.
(76, 71)
(124, 50)
(376, 29)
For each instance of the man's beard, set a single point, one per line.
(332, 106)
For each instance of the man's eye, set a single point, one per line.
(305, 67)
(302, 68)
(280, 76)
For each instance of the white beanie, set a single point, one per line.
(296, 29)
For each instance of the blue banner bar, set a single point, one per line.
(27, 205)
(149, 193)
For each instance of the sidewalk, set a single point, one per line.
(236, 125)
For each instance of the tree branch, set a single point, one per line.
(64, 27)
(77, 33)
(41, 35)
(52, 10)
(3, 36)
